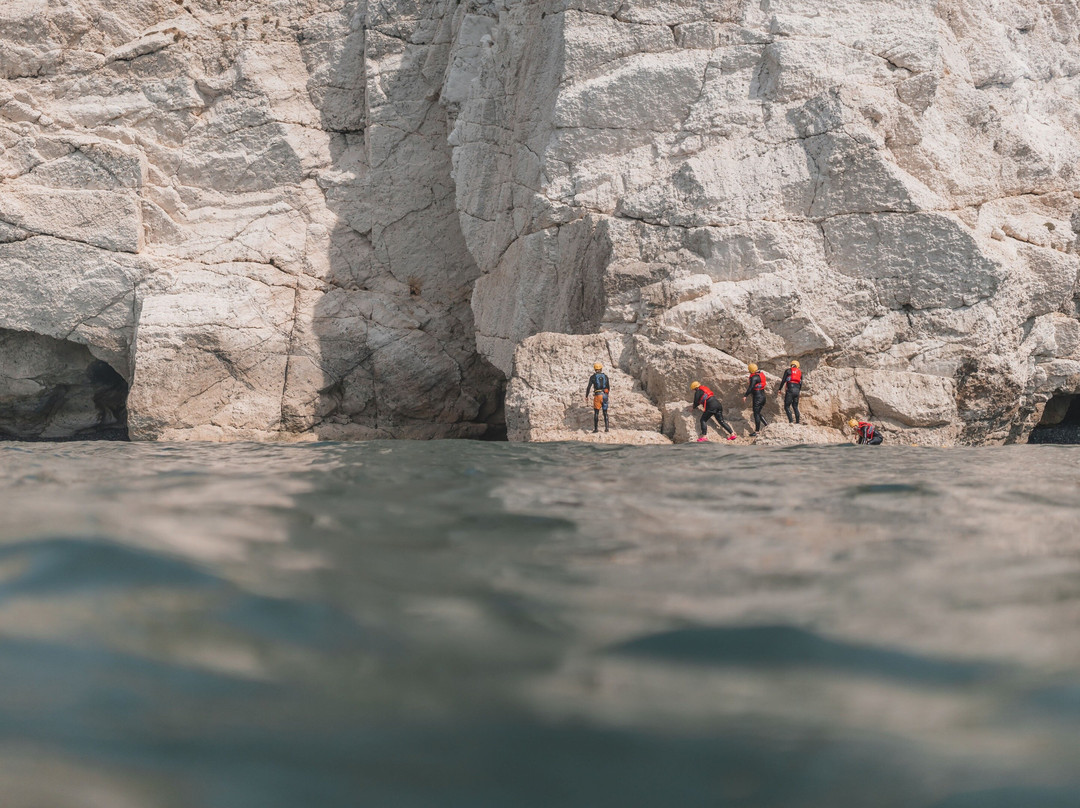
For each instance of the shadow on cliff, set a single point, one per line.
(394, 332)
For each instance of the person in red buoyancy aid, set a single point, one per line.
(793, 380)
(756, 389)
(868, 435)
(710, 408)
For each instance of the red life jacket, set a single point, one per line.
(760, 383)
(706, 394)
(796, 376)
(867, 430)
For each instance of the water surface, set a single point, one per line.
(465, 624)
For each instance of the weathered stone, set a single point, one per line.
(262, 165)
(871, 189)
(784, 434)
(547, 397)
(348, 219)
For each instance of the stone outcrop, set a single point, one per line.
(346, 219)
(885, 190)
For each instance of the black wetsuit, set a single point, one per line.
(791, 397)
(599, 382)
(712, 409)
(758, 398)
(868, 435)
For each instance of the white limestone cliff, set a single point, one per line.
(245, 209)
(343, 219)
(887, 191)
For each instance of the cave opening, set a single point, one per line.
(1060, 421)
(56, 390)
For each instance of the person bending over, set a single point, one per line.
(599, 387)
(756, 389)
(868, 435)
(710, 408)
(793, 380)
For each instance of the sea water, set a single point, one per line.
(468, 624)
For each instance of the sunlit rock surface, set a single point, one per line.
(885, 190)
(343, 219)
(246, 210)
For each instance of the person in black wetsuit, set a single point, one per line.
(710, 408)
(756, 389)
(599, 385)
(868, 435)
(793, 380)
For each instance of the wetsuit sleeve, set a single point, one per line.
(589, 386)
(749, 387)
(697, 399)
(783, 381)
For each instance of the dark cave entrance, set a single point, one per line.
(55, 390)
(1060, 422)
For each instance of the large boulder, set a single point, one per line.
(546, 398)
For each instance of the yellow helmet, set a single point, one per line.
(597, 366)
(752, 367)
(853, 424)
(695, 385)
(795, 363)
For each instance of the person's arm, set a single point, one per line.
(749, 387)
(589, 386)
(607, 383)
(783, 381)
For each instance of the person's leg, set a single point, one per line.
(595, 419)
(718, 414)
(795, 406)
(788, 400)
(606, 428)
(704, 430)
(759, 419)
(874, 441)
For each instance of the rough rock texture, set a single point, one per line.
(546, 399)
(348, 219)
(244, 208)
(886, 190)
(783, 434)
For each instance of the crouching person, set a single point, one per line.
(868, 434)
(710, 408)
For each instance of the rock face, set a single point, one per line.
(885, 190)
(245, 209)
(347, 219)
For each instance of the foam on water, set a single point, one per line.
(466, 624)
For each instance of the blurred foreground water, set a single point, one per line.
(465, 624)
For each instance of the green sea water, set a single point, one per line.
(473, 624)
